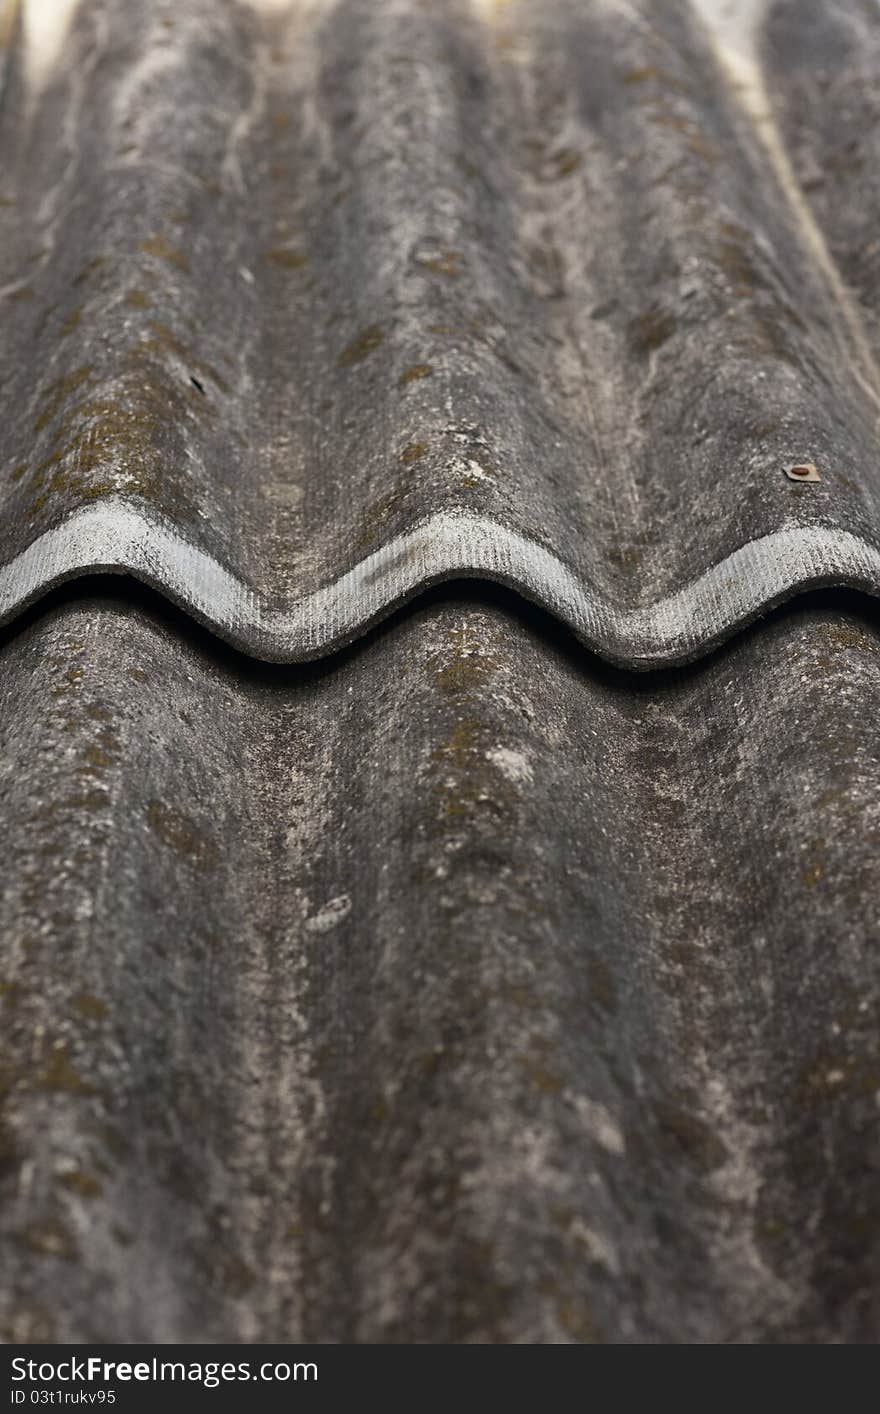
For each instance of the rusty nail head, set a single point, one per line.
(802, 471)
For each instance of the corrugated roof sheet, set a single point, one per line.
(307, 309)
(460, 987)
(457, 990)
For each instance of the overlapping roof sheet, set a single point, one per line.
(307, 308)
(459, 986)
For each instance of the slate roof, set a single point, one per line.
(460, 986)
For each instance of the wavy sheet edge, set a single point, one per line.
(118, 537)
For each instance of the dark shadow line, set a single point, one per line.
(127, 594)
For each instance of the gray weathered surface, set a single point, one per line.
(459, 989)
(528, 290)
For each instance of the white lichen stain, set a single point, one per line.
(330, 916)
(469, 470)
(598, 1247)
(600, 1125)
(515, 765)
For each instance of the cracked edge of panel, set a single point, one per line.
(118, 537)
